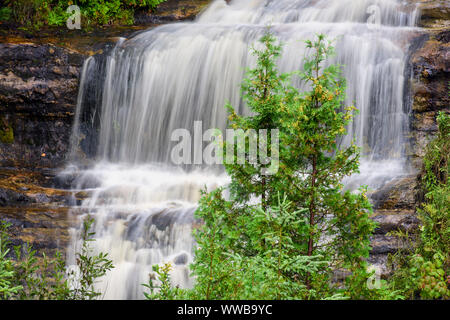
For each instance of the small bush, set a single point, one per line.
(424, 271)
(37, 13)
(25, 277)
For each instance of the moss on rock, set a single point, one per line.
(6, 132)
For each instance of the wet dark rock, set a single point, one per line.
(391, 221)
(64, 181)
(181, 259)
(42, 198)
(38, 92)
(383, 244)
(430, 65)
(38, 79)
(44, 229)
(434, 13)
(11, 198)
(169, 217)
(170, 11)
(398, 194)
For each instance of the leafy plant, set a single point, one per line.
(90, 267)
(282, 233)
(424, 270)
(37, 13)
(8, 288)
(335, 223)
(26, 277)
(266, 266)
(5, 14)
(165, 290)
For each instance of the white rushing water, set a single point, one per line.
(170, 76)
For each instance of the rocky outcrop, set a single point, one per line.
(430, 65)
(38, 92)
(38, 214)
(395, 204)
(385, 241)
(172, 10)
(396, 195)
(430, 84)
(395, 211)
(434, 13)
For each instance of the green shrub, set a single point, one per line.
(5, 14)
(8, 287)
(304, 225)
(23, 276)
(6, 130)
(424, 271)
(37, 13)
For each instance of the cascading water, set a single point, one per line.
(168, 77)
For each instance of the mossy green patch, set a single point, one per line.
(6, 132)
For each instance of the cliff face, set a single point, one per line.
(38, 93)
(430, 63)
(428, 84)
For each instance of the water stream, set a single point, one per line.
(170, 76)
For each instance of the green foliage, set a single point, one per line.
(436, 161)
(163, 291)
(303, 224)
(91, 267)
(106, 12)
(5, 14)
(29, 13)
(424, 270)
(41, 280)
(335, 224)
(6, 132)
(8, 288)
(251, 256)
(57, 16)
(432, 261)
(24, 276)
(37, 13)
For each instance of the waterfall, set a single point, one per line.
(168, 77)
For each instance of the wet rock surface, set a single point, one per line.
(434, 13)
(385, 242)
(38, 214)
(38, 92)
(430, 65)
(171, 11)
(397, 194)
(396, 203)
(389, 221)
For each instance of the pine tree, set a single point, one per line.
(280, 234)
